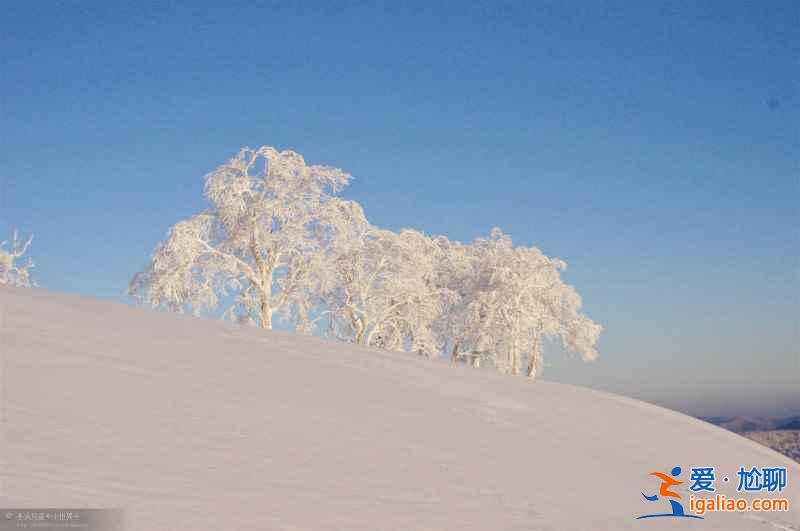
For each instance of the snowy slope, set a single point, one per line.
(193, 424)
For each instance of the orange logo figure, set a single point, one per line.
(666, 483)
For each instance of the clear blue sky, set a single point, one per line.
(652, 145)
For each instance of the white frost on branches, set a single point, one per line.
(12, 272)
(257, 242)
(381, 289)
(276, 239)
(506, 301)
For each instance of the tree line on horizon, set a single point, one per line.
(278, 241)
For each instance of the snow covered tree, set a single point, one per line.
(507, 300)
(381, 290)
(12, 272)
(258, 242)
(454, 280)
(275, 239)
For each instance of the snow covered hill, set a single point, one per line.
(189, 424)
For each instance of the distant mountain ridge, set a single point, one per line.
(792, 424)
(782, 434)
(741, 424)
(786, 442)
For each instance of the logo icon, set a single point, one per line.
(667, 482)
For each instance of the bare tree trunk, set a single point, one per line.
(265, 269)
(515, 368)
(514, 362)
(535, 364)
(368, 339)
(266, 311)
(454, 353)
(360, 329)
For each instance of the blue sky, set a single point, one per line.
(653, 146)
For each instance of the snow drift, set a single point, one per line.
(194, 424)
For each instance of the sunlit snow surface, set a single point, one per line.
(189, 424)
